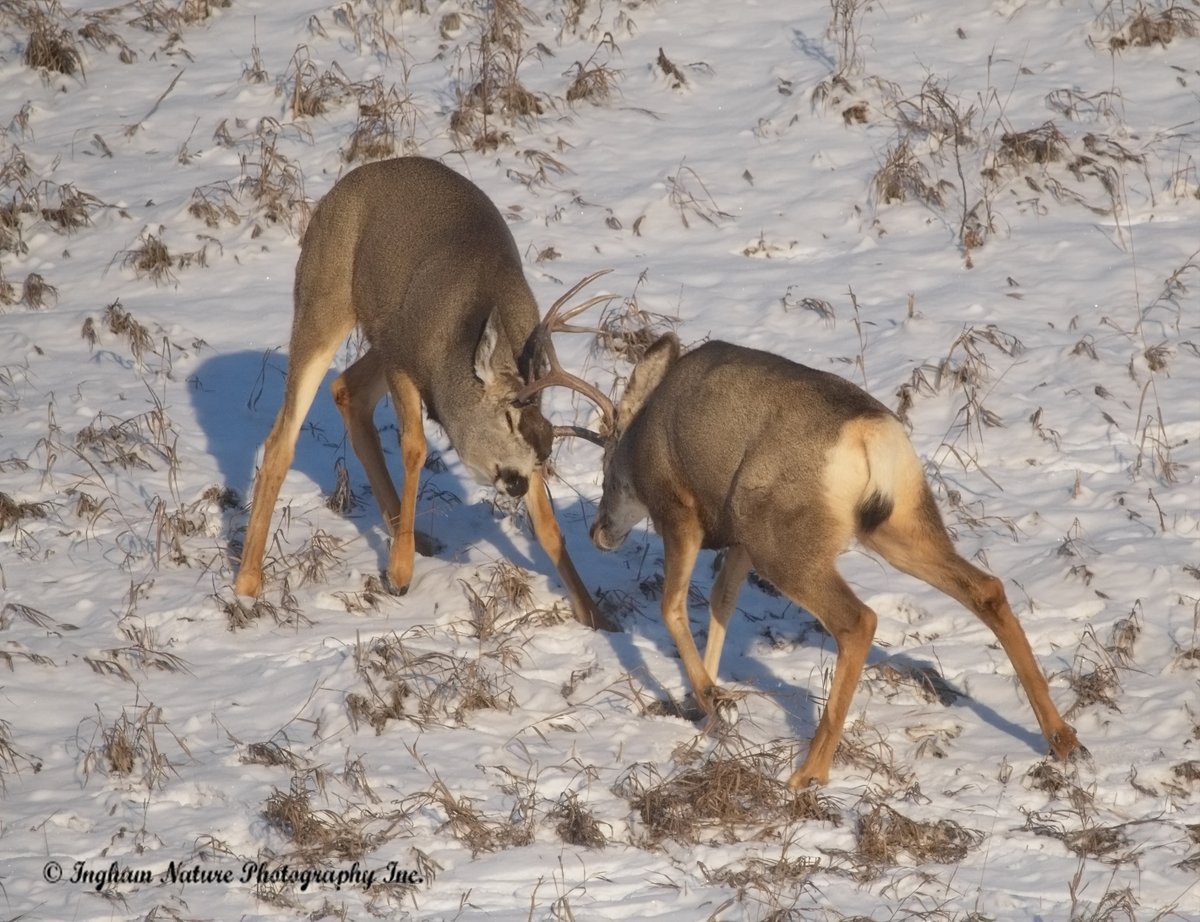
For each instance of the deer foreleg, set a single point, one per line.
(720, 604)
(413, 451)
(681, 545)
(549, 535)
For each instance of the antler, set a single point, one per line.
(540, 344)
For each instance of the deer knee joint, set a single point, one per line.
(341, 393)
(990, 598)
(862, 628)
(412, 449)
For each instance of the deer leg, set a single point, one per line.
(720, 604)
(306, 368)
(916, 542)
(357, 391)
(681, 545)
(549, 536)
(852, 625)
(412, 452)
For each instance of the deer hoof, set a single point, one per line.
(802, 779)
(720, 706)
(248, 584)
(725, 711)
(1065, 746)
(392, 587)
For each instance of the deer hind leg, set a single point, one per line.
(309, 359)
(915, 540)
(549, 536)
(357, 391)
(734, 569)
(822, 591)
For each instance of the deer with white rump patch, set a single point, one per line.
(424, 264)
(782, 465)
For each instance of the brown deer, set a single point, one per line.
(781, 465)
(423, 263)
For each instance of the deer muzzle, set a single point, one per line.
(513, 483)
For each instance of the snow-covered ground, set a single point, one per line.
(988, 214)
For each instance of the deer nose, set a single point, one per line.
(599, 536)
(514, 483)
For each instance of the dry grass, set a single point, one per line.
(688, 195)
(490, 92)
(676, 78)
(886, 836)
(1097, 685)
(241, 613)
(720, 797)
(37, 293)
(213, 204)
(313, 91)
(501, 597)
(902, 176)
(129, 743)
(121, 324)
(471, 826)
(627, 330)
(924, 681)
(1103, 843)
(342, 499)
(319, 835)
(74, 209)
(273, 183)
(1149, 25)
(427, 688)
(1042, 145)
(134, 443)
(271, 754)
(766, 875)
(320, 552)
(386, 126)
(576, 824)
(150, 258)
(14, 512)
(50, 47)
(593, 81)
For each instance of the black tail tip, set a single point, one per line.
(874, 511)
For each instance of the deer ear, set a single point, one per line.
(489, 364)
(648, 374)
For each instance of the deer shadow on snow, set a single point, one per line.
(236, 397)
(791, 675)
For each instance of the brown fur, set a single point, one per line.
(784, 465)
(419, 259)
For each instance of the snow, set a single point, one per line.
(1049, 373)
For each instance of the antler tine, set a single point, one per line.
(580, 432)
(541, 344)
(552, 313)
(561, 325)
(558, 375)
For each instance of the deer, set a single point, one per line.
(420, 260)
(781, 466)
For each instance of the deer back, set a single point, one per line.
(745, 440)
(429, 271)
